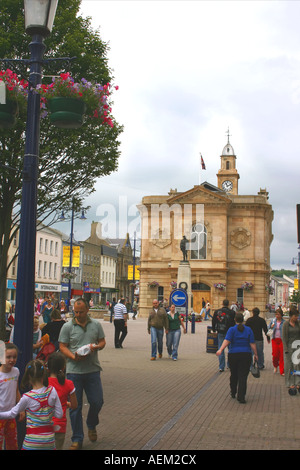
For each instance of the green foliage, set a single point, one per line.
(281, 272)
(70, 160)
(295, 297)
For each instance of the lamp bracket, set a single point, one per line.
(16, 63)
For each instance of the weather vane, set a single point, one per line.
(228, 135)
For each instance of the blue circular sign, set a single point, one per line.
(178, 297)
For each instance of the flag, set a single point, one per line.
(202, 164)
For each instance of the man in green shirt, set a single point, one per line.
(83, 370)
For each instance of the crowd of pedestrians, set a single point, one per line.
(57, 381)
(54, 382)
(244, 336)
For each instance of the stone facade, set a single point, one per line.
(229, 241)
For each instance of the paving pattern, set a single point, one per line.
(185, 405)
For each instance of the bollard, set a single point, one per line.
(193, 323)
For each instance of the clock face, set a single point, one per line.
(227, 185)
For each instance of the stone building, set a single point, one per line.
(91, 271)
(99, 267)
(125, 259)
(229, 237)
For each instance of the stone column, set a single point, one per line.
(184, 275)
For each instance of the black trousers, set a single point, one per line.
(239, 364)
(120, 332)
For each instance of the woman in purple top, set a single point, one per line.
(240, 341)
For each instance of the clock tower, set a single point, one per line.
(228, 176)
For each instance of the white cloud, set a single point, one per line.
(189, 69)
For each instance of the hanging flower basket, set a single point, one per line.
(270, 289)
(247, 286)
(220, 286)
(8, 114)
(68, 276)
(94, 99)
(66, 113)
(173, 284)
(15, 98)
(153, 284)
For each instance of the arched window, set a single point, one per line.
(198, 242)
(227, 165)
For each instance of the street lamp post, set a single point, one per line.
(298, 268)
(133, 270)
(39, 17)
(62, 217)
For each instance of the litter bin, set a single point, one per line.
(211, 341)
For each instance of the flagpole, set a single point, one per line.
(200, 166)
(203, 167)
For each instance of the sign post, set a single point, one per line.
(179, 298)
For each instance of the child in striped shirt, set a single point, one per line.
(41, 404)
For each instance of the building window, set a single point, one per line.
(200, 286)
(240, 296)
(198, 243)
(40, 269)
(13, 269)
(45, 269)
(51, 247)
(41, 245)
(160, 295)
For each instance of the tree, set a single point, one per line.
(295, 297)
(70, 160)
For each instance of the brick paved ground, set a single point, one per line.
(185, 405)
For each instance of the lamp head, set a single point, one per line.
(39, 16)
(82, 217)
(62, 216)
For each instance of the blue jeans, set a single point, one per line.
(260, 355)
(156, 341)
(222, 356)
(173, 338)
(90, 384)
(207, 314)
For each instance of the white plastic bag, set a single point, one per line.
(2, 353)
(84, 350)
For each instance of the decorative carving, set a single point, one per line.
(159, 239)
(240, 238)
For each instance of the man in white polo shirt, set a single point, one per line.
(120, 323)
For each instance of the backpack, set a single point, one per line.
(45, 352)
(222, 321)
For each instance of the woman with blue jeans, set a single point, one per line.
(174, 332)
